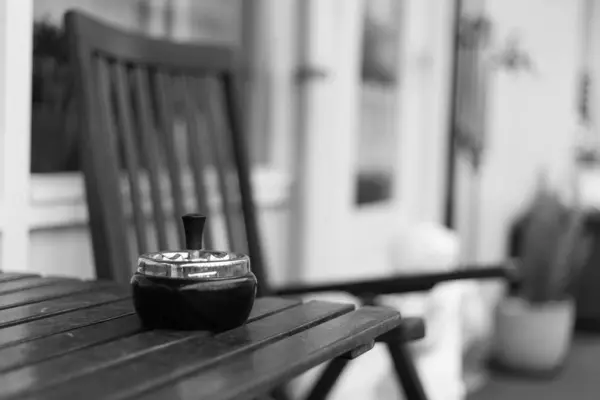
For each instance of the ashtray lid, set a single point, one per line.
(194, 262)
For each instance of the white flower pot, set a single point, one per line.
(533, 337)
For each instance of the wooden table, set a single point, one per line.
(64, 338)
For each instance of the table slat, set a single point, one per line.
(38, 350)
(29, 283)
(257, 372)
(38, 376)
(64, 322)
(166, 364)
(43, 293)
(13, 276)
(44, 309)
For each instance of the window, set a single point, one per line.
(378, 131)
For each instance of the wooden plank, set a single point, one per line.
(28, 283)
(259, 371)
(43, 293)
(13, 276)
(66, 342)
(17, 315)
(99, 159)
(150, 153)
(165, 104)
(53, 371)
(411, 329)
(207, 97)
(224, 121)
(197, 141)
(166, 364)
(64, 322)
(267, 306)
(240, 146)
(130, 149)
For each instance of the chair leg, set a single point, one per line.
(279, 393)
(327, 379)
(406, 371)
(403, 365)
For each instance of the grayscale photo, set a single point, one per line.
(300, 199)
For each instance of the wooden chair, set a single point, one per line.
(131, 90)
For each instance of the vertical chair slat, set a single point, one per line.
(219, 105)
(196, 139)
(165, 102)
(123, 99)
(240, 148)
(205, 95)
(103, 145)
(151, 155)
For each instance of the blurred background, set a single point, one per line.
(384, 136)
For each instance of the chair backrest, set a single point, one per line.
(158, 118)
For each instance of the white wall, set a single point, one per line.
(531, 121)
(15, 107)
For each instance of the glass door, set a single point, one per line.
(373, 121)
(378, 95)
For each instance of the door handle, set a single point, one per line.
(310, 72)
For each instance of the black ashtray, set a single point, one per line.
(193, 288)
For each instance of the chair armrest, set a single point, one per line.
(411, 329)
(404, 283)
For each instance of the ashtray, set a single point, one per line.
(193, 288)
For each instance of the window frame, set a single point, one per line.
(15, 138)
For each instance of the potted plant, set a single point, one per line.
(534, 325)
(53, 119)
